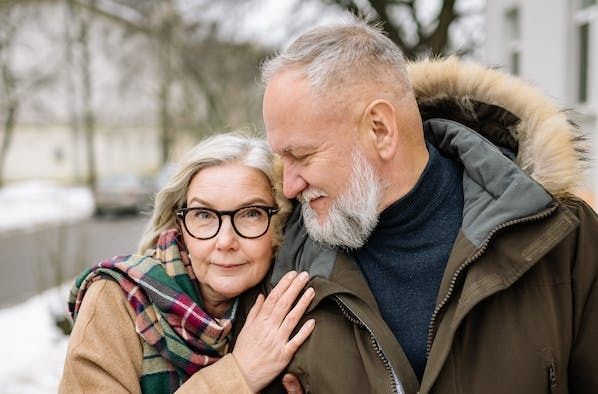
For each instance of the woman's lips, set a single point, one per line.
(228, 266)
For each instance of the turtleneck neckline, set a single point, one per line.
(432, 187)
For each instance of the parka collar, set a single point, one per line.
(507, 111)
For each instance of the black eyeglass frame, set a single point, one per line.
(181, 213)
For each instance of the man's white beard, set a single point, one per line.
(352, 215)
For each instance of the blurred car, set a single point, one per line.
(123, 194)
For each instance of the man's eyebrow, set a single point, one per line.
(294, 149)
(285, 151)
(288, 148)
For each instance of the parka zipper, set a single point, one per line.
(431, 328)
(396, 386)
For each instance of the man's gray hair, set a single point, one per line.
(332, 55)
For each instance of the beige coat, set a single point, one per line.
(105, 351)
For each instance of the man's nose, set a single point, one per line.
(292, 181)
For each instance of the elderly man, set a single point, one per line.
(447, 252)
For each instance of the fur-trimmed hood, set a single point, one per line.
(507, 111)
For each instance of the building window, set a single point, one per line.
(582, 81)
(513, 31)
(584, 23)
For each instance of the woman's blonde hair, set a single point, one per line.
(236, 147)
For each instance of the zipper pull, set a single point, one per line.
(552, 377)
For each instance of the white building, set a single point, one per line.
(554, 45)
(49, 141)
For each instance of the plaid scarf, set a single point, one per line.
(179, 337)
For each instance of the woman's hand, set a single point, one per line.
(263, 348)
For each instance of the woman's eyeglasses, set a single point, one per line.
(248, 222)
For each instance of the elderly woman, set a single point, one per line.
(166, 319)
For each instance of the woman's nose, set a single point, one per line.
(227, 236)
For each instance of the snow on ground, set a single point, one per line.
(27, 204)
(33, 348)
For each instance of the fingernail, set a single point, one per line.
(304, 276)
(310, 292)
(292, 274)
(311, 322)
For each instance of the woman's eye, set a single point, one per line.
(202, 215)
(252, 213)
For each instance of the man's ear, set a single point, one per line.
(379, 119)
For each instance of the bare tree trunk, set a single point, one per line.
(8, 84)
(165, 121)
(71, 86)
(87, 96)
(9, 126)
(439, 40)
(165, 54)
(393, 30)
(14, 85)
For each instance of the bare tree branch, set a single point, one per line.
(439, 38)
(431, 38)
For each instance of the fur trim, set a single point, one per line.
(551, 149)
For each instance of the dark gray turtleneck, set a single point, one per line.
(405, 256)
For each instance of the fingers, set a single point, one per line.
(292, 318)
(263, 348)
(304, 332)
(255, 309)
(291, 384)
(277, 292)
(286, 301)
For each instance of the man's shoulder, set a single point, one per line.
(579, 207)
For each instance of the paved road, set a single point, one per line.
(36, 260)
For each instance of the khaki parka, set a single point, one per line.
(517, 308)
